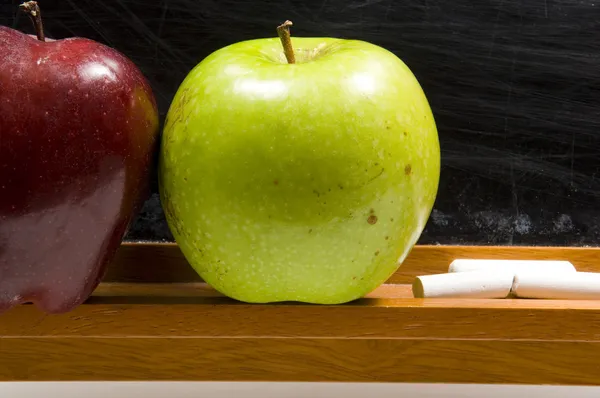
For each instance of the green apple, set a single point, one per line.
(308, 181)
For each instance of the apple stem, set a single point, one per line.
(32, 9)
(283, 31)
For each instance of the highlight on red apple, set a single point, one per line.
(78, 132)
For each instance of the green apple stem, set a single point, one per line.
(32, 9)
(283, 31)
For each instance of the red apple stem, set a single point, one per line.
(32, 9)
(283, 31)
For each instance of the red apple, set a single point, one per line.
(78, 134)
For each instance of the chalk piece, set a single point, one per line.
(465, 265)
(565, 286)
(474, 284)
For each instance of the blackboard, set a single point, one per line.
(514, 86)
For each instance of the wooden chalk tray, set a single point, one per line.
(153, 319)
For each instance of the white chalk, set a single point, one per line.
(474, 284)
(464, 265)
(560, 286)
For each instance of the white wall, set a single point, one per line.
(284, 390)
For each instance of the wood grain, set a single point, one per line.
(239, 359)
(368, 319)
(154, 319)
(164, 262)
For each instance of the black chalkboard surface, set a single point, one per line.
(514, 86)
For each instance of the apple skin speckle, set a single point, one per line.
(78, 132)
(335, 130)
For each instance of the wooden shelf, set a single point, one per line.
(154, 319)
